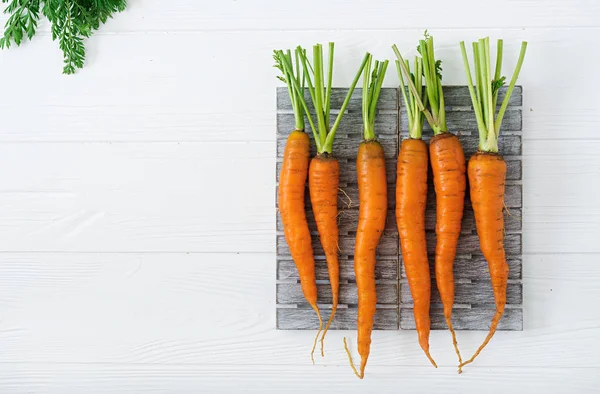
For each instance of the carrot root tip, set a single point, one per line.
(358, 375)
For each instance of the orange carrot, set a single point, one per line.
(487, 169)
(292, 186)
(448, 164)
(372, 193)
(411, 199)
(324, 168)
(323, 184)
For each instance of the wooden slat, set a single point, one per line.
(346, 146)
(388, 246)
(348, 196)
(385, 269)
(348, 171)
(388, 99)
(465, 122)
(513, 197)
(469, 244)
(386, 124)
(291, 293)
(512, 220)
(347, 221)
(345, 319)
(473, 267)
(475, 293)
(466, 319)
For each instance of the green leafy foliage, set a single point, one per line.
(71, 20)
(279, 65)
(497, 84)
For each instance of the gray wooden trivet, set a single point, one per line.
(474, 302)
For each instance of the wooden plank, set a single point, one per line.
(385, 269)
(466, 319)
(346, 146)
(473, 267)
(348, 171)
(347, 221)
(512, 220)
(351, 123)
(291, 293)
(348, 197)
(345, 319)
(465, 122)
(388, 99)
(513, 197)
(388, 246)
(474, 293)
(469, 244)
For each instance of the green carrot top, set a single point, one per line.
(415, 116)
(485, 95)
(372, 82)
(320, 92)
(288, 75)
(436, 114)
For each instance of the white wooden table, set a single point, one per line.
(137, 202)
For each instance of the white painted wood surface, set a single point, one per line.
(137, 202)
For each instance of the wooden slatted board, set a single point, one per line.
(474, 303)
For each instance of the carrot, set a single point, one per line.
(324, 172)
(487, 169)
(448, 165)
(292, 186)
(411, 199)
(372, 193)
(323, 185)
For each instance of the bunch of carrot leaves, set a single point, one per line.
(71, 21)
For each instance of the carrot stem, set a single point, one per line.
(473, 93)
(485, 96)
(511, 86)
(372, 82)
(321, 95)
(281, 58)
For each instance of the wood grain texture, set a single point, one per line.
(255, 378)
(345, 319)
(190, 16)
(151, 309)
(466, 319)
(291, 293)
(474, 294)
(134, 301)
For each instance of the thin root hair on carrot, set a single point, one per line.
(358, 375)
(312, 353)
(349, 203)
